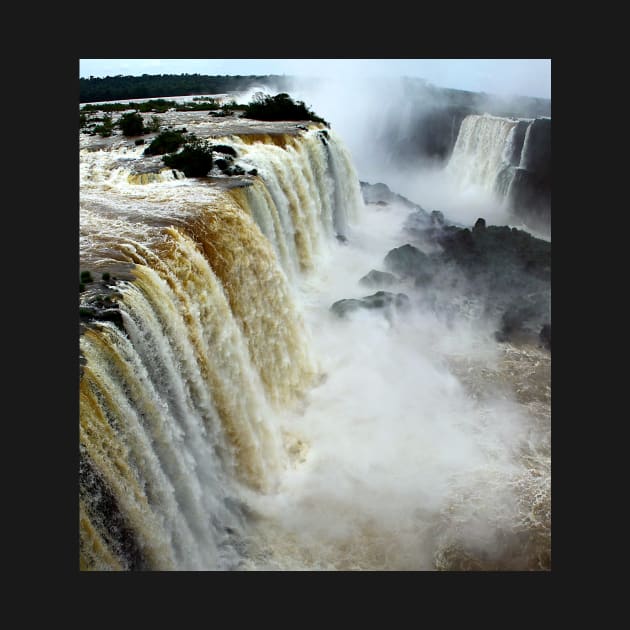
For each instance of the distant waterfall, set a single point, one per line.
(481, 150)
(494, 153)
(176, 396)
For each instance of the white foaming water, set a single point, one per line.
(397, 459)
(392, 446)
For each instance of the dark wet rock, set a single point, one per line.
(375, 193)
(93, 313)
(530, 189)
(253, 172)
(380, 195)
(235, 170)
(100, 304)
(407, 261)
(379, 300)
(341, 238)
(545, 336)
(223, 163)
(506, 272)
(479, 226)
(378, 279)
(139, 141)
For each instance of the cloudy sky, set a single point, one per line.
(526, 77)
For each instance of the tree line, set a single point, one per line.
(156, 85)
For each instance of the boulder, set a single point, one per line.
(407, 261)
(380, 299)
(378, 279)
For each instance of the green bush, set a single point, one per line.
(106, 128)
(132, 124)
(86, 277)
(195, 159)
(279, 107)
(167, 142)
(224, 148)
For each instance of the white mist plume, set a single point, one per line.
(374, 114)
(402, 462)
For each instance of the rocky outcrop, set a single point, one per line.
(377, 279)
(379, 300)
(407, 261)
(530, 190)
(380, 194)
(505, 269)
(545, 336)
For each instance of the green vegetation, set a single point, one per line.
(106, 276)
(82, 120)
(106, 128)
(131, 124)
(149, 86)
(279, 107)
(86, 277)
(167, 142)
(194, 160)
(224, 148)
(196, 107)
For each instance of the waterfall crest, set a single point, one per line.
(178, 387)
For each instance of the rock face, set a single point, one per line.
(407, 261)
(530, 191)
(379, 300)
(378, 279)
(380, 194)
(545, 336)
(507, 270)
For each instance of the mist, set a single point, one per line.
(424, 442)
(410, 452)
(379, 120)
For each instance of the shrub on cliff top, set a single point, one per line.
(132, 124)
(167, 142)
(195, 159)
(279, 107)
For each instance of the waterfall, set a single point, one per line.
(482, 151)
(507, 158)
(179, 387)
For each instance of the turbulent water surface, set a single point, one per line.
(229, 420)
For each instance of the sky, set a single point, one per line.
(524, 77)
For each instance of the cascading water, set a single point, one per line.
(229, 421)
(497, 157)
(176, 405)
(481, 150)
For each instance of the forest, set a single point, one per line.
(155, 85)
